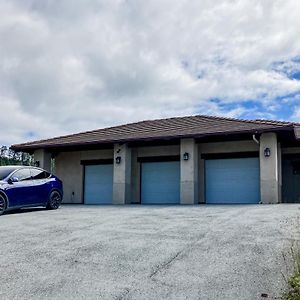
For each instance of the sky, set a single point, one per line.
(74, 65)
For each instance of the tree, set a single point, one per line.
(11, 157)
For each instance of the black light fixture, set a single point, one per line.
(118, 160)
(267, 152)
(186, 156)
(37, 163)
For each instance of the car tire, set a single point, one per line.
(2, 204)
(54, 200)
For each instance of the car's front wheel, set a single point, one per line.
(2, 204)
(54, 200)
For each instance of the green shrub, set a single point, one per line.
(294, 281)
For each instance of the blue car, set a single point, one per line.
(22, 186)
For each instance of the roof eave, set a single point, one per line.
(31, 148)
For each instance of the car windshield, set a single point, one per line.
(5, 171)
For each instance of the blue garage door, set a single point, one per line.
(160, 183)
(98, 184)
(232, 181)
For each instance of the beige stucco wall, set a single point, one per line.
(122, 175)
(70, 171)
(227, 147)
(44, 159)
(189, 184)
(220, 147)
(158, 151)
(269, 169)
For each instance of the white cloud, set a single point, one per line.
(72, 65)
(296, 115)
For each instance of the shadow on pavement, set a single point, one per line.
(23, 210)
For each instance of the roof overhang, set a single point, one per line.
(94, 144)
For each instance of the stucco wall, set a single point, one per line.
(158, 151)
(189, 183)
(227, 147)
(220, 147)
(122, 175)
(70, 171)
(269, 169)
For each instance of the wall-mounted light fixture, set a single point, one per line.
(267, 152)
(186, 156)
(37, 163)
(118, 160)
(54, 154)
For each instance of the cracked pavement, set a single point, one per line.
(147, 252)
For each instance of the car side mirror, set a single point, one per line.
(13, 179)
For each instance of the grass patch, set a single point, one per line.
(294, 280)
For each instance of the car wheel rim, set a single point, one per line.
(2, 205)
(55, 200)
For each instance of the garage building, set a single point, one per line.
(183, 160)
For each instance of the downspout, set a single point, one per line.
(255, 139)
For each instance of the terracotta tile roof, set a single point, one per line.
(191, 126)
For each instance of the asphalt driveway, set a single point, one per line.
(147, 252)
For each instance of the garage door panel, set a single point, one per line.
(291, 181)
(160, 183)
(98, 184)
(232, 181)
